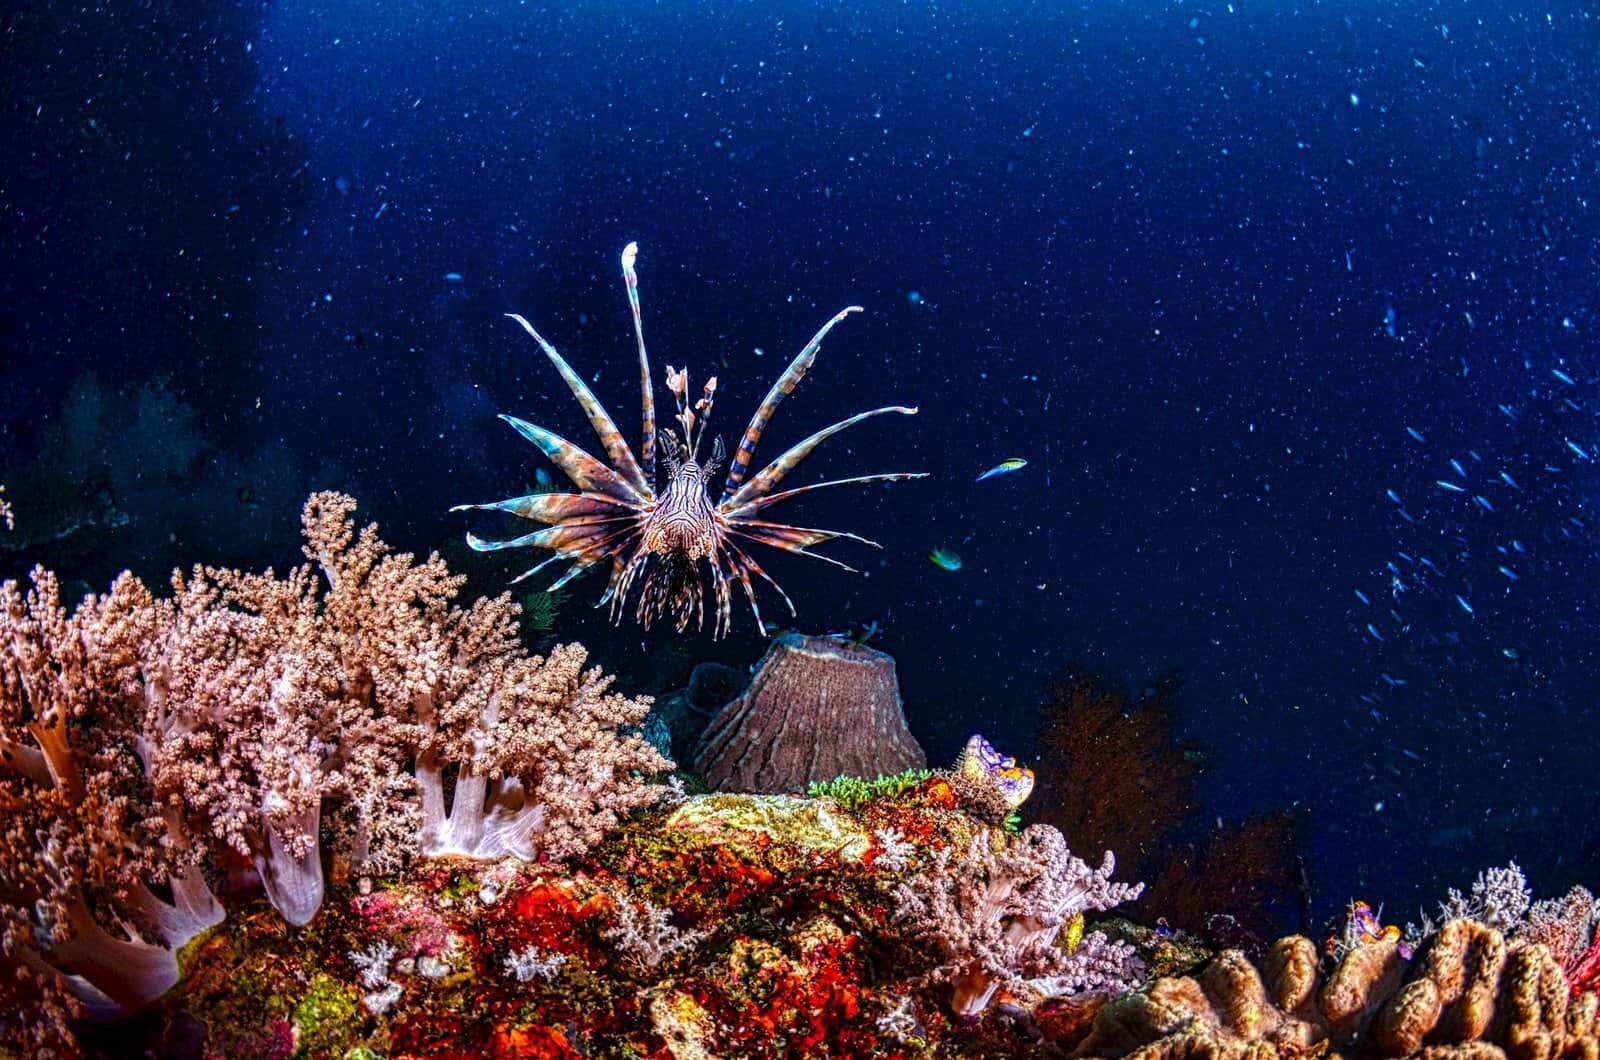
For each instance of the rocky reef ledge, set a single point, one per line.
(775, 925)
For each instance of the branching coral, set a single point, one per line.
(993, 912)
(142, 739)
(80, 838)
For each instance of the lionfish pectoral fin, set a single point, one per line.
(770, 499)
(750, 563)
(572, 572)
(535, 569)
(549, 507)
(789, 545)
(615, 445)
(587, 473)
(775, 472)
(781, 389)
(782, 534)
(478, 544)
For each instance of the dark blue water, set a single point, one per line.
(1201, 265)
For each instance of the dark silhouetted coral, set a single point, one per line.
(1144, 777)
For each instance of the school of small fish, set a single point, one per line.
(1466, 581)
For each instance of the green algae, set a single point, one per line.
(326, 1017)
(853, 792)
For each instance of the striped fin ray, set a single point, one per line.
(587, 473)
(615, 445)
(550, 507)
(736, 569)
(773, 498)
(788, 546)
(560, 537)
(781, 389)
(749, 563)
(647, 447)
(803, 536)
(774, 472)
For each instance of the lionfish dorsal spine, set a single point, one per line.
(647, 400)
(781, 389)
(616, 446)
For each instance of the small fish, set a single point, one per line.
(1517, 546)
(1373, 631)
(1409, 753)
(1405, 515)
(1415, 434)
(1004, 467)
(1577, 449)
(1363, 597)
(453, 277)
(1483, 502)
(944, 559)
(1459, 469)
(1392, 682)
(1509, 481)
(1464, 605)
(1426, 562)
(1444, 484)
(1563, 376)
(1509, 573)
(1510, 653)
(1393, 496)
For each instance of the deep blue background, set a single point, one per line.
(1148, 247)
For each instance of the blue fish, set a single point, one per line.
(1509, 481)
(1483, 502)
(1004, 467)
(1393, 496)
(1415, 434)
(1563, 376)
(1363, 597)
(1445, 484)
(1464, 605)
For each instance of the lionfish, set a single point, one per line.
(657, 537)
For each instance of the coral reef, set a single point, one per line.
(729, 925)
(818, 708)
(1469, 993)
(159, 754)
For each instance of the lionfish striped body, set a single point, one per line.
(656, 542)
